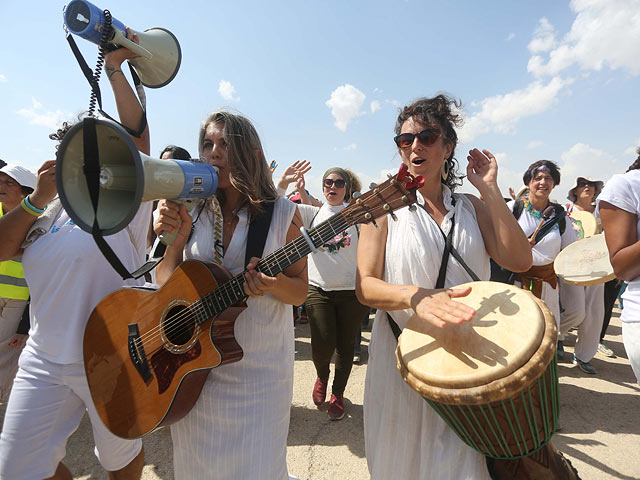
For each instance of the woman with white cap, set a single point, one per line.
(582, 307)
(16, 183)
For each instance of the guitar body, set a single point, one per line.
(147, 353)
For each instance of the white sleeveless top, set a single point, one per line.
(423, 446)
(239, 425)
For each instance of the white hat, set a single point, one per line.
(21, 175)
(598, 184)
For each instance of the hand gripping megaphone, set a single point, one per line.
(159, 50)
(127, 178)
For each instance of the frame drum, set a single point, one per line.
(585, 262)
(590, 223)
(493, 380)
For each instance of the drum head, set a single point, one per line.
(585, 262)
(506, 331)
(590, 225)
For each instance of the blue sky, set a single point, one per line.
(323, 80)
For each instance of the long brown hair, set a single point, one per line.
(248, 170)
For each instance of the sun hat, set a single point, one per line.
(24, 177)
(598, 186)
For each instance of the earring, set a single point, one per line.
(445, 170)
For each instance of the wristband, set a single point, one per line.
(33, 207)
(28, 209)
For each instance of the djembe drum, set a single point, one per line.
(493, 380)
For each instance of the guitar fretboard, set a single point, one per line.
(231, 292)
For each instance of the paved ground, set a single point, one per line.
(600, 424)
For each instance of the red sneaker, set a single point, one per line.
(319, 392)
(336, 407)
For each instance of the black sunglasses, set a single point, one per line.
(427, 137)
(329, 182)
(584, 184)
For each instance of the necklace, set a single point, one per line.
(233, 215)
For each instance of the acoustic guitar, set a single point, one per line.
(147, 353)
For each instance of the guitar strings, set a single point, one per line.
(176, 324)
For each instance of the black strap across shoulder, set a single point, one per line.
(258, 231)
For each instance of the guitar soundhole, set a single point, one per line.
(179, 328)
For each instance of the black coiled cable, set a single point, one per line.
(106, 36)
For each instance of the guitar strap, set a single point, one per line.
(258, 231)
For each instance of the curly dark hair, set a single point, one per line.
(439, 110)
(635, 165)
(64, 128)
(553, 168)
(177, 153)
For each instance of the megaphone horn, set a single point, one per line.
(159, 50)
(127, 178)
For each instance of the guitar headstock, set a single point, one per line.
(395, 193)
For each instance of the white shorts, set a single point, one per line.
(631, 339)
(46, 406)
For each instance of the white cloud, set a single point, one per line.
(345, 103)
(375, 106)
(584, 160)
(377, 90)
(3, 78)
(510, 37)
(37, 116)
(227, 91)
(352, 146)
(604, 33)
(501, 112)
(632, 150)
(534, 144)
(544, 37)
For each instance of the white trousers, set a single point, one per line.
(45, 407)
(631, 339)
(10, 316)
(582, 308)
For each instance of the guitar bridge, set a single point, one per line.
(137, 354)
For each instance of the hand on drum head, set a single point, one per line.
(438, 308)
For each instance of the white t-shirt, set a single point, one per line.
(547, 249)
(335, 268)
(68, 276)
(623, 191)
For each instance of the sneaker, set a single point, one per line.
(319, 392)
(560, 350)
(356, 358)
(586, 367)
(606, 351)
(336, 407)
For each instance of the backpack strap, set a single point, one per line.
(517, 208)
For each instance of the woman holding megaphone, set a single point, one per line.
(238, 427)
(67, 276)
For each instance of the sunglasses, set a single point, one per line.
(329, 182)
(427, 137)
(586, 184)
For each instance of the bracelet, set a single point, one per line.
(27, 209)
(27, 201)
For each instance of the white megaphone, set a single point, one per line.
(127, 178)
(159, 50)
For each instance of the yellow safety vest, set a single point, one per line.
(12, 282)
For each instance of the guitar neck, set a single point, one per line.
(231, 292)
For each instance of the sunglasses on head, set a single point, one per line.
(329, 182)
(427, 137)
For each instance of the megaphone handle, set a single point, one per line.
(167, 237)
(120, 38)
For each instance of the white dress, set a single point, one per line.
(404, 437)
(238, 427)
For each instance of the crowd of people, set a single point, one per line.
(238, 427)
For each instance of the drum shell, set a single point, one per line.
(510, 417)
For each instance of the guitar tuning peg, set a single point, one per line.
(373, 185)
(356, 194)
(413, 208)
(393, 217)
(389, 175)
(375, 224)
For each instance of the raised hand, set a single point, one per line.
(293, 172)
(45, 186)
(482, 169)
